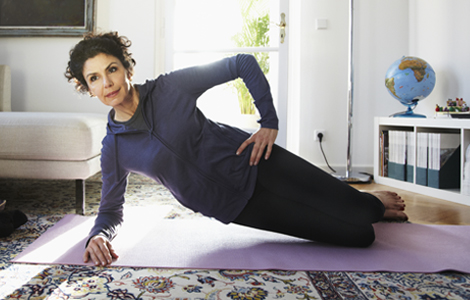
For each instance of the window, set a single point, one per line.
(198, 32)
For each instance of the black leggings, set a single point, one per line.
(296, 198)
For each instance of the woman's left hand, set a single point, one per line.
(264, 138)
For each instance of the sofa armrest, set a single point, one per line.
(5, 88)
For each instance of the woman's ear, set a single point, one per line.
(129, 73)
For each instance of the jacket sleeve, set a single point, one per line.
(110, 214)
(197, 80)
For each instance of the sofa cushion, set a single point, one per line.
(49, 169)
(51, 136)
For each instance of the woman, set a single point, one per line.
(155, 129)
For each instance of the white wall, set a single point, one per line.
(380, 37)
(385, 30)
(435, 30)
(440, 35)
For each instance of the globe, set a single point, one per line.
(409, 80)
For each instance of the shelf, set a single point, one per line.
(460, 126)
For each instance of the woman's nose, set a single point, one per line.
(107, 82)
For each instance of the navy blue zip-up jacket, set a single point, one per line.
(194, 157)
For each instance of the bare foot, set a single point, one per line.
(394, 205)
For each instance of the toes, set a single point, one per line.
(397, 215)
(399, 206)
(391, 200)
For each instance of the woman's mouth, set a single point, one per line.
(112, 94)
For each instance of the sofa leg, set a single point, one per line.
(80, 197)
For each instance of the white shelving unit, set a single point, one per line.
(423, 125)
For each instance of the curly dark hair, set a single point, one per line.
(93, 44)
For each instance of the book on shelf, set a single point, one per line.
(466, 173)
(383, 164)
(444, 160)
(397, 155)
(401, 155)
(426, 158)
(422, 158)
(410, 155)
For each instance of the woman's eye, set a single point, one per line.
(93, 78)
(112, 69)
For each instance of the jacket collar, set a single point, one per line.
(120, 128)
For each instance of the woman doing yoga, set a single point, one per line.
(155, 129)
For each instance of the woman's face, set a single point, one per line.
(107, 79)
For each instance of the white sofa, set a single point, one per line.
(48, 145)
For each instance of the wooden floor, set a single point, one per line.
(426, 210)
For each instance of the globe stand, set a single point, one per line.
(409, 112)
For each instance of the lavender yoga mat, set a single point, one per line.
(208, 244)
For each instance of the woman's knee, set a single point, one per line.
(362, 238)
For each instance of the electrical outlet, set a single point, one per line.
(316, 132)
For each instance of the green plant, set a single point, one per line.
(254, 34)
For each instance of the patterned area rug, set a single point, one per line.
(46, 202)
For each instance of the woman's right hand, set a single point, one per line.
(100, 251)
